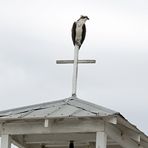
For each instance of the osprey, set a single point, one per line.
(79, 31)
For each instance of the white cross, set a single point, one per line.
(75, 63)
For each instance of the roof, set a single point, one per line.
(70, 107)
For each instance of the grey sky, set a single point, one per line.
(35, 33)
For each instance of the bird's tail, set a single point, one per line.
(78, 44)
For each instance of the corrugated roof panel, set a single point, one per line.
(31, 107)
(91, 107)
(64, 111)
(41, 113)
(84, 113)
(64, 108)
(14, 116)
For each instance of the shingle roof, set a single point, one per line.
(70, 107)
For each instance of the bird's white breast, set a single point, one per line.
(79, 31)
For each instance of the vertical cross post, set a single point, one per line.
(75, 70)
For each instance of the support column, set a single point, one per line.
(5, 141)
(101, 140)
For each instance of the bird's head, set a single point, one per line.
(83, 18)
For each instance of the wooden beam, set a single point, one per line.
(101, 140)
(54, 126)
(17, 144)
(72, 61)
(66, 145)
(137, 136)
(131, 134)
(5, 141)
(111, 119)
(115, 134)
(18, 140)
(53, 138)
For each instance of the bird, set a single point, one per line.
(78, 31)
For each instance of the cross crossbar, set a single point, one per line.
(79, 61)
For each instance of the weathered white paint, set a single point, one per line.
(72, 61)
(46, 123)
(5, 141)
(119, 137)
(53, 138)
(131, 134)
(75, 70)
(80, 130)
(112, 120)
(55, 126)
(101, 140)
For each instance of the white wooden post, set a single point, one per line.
(75, 71)
(5, 141)
(101, 140)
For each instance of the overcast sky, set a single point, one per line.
(35, 33)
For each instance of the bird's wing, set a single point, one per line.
(73, 32)
(83, 33)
